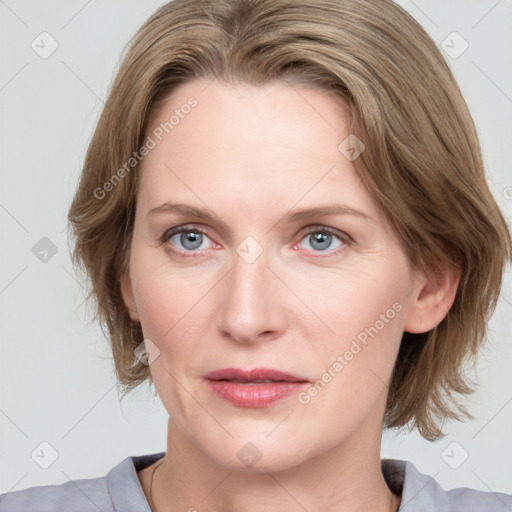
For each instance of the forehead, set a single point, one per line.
(277, 142)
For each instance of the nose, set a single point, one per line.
(252, 307)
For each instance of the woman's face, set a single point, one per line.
(285, 262)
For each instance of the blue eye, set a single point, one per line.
(323, 239)
(190, 239)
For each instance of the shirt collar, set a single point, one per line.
(419, 492)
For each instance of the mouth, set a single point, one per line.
(254, 376)
(238, 381)
(256, 388)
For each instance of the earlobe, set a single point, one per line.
(432, 298)
(128, 297)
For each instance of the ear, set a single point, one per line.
(128, 297)
(432, 298)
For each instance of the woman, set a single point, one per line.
(284, 216)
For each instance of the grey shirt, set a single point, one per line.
(120, 491)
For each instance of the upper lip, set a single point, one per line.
(256, 374)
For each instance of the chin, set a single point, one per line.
(255, 453)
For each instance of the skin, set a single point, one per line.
(251, 155)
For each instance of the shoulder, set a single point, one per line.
(422, 493)
(120, 489)
(84, 495)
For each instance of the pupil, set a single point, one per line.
(191, 239)
(321, 241)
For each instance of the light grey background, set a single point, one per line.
(57, 377)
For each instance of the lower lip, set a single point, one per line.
(254, 395)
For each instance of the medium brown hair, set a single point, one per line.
(422, 163)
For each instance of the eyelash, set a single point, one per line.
(342, 237)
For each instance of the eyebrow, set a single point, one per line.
(292, 216)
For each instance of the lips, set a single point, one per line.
(254, 376)
(257, 388)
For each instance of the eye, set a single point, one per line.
(187, 239)
(323, 239)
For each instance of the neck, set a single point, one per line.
(347, 477)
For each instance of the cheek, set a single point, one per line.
(167, 296)
(353, 364)
(176, 312)
(353, 301)
(362, 314)
(172, 314)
